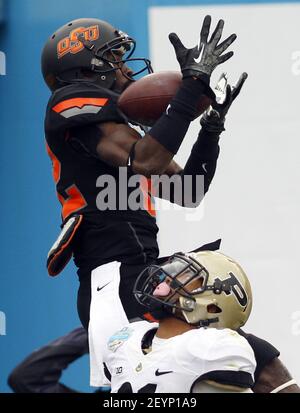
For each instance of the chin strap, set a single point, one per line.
(207, 322)
(284, 386)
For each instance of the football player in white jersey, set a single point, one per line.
(200, 299)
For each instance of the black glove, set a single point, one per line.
(213, 119)
(225, 94)
(201, 60)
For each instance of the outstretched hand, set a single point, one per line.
(201, 60)
(213, 119)
(225, 94)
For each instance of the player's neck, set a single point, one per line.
(171, 327)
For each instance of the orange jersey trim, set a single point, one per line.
(79, 103)
(55, 164)
(75, 200)
(147, 190)
(74, 203)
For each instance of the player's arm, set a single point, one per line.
(152, 154)
(275, 378)
(120, 145)
(117, 144)
(202, 162)
(270, 373)
(204, 155)
(41, 371)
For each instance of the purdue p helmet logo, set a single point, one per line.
(232, 285)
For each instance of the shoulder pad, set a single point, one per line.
(81, 104)
(218, 355)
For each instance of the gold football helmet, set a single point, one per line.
(202, 288)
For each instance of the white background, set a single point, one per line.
(253, 202)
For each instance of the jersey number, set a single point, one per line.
(74, 200)
(127, 388)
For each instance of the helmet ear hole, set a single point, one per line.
(213, 309)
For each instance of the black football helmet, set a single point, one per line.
(88, 47)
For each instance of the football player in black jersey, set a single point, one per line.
(84, 63)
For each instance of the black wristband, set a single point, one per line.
(172, 126)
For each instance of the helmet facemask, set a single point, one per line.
(124, 47)
(172, 288)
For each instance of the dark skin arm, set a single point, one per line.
(115, 144)
(272, 376)
(150, 156)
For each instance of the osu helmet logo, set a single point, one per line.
(71, 44)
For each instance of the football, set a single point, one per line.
(145, 100)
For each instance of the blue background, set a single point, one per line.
(37, 307)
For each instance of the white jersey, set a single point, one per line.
(177, 364)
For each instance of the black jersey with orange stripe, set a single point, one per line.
(104, 235)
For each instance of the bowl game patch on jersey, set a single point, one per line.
(119, 338)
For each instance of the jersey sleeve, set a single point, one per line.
(222, 356)
(79, 105)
